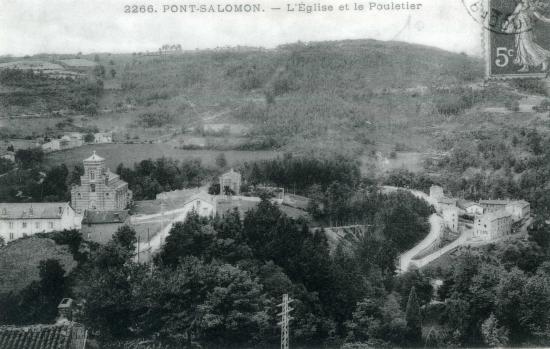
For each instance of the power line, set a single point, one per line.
(285, 319)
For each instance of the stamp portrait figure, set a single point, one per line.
(529, 54)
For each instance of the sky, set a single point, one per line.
(87, 26)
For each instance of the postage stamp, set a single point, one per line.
(516, 38)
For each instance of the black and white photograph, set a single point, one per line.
(264, 174)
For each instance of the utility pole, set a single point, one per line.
(285, 319)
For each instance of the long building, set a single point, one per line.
(24, 219)
(492, 225)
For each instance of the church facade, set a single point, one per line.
(99, 189)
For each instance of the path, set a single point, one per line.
(145, 251)
(419, 263)
(436, 222)
(435, 232)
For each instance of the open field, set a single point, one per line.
(128, 154)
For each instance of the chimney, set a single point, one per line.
(60, 210)
(65, 310)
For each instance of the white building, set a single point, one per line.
(492, 225)
(450, 218)
(470, 207)
(68, 141)
(23, 219)
(53, 145)
(518, 209)
(230, 182)
(202, 203)
(103, 137)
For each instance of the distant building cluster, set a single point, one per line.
(491, 218)
(99, 205)
(99, 202)
(76, 139)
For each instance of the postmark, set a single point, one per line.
(516, 36)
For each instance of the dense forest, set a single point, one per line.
(216, 282)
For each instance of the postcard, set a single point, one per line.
(344, 174)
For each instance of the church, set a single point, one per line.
(99, 189)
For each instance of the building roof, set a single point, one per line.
(94, 157)
(202, 196)
(445, 200)
(231, 173)
(494, 202)
(32, 210)
(521, 203)
(36, 337)
(104, 217)
(464, 204)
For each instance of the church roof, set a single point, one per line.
(32, 210)
(94, 157)
(231, 173)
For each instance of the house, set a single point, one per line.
(436, 192)
(202, 203)
(53, 145)
(103, 137)
(99, 226)
(68, 141)
(230, 181)
(24, 219)
(99, 189)
(519, 209)
(492, 225)
(450, 218)
(8, 155)
(72, 140)
(470, 207)
(64, 334)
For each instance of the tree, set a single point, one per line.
(125, 237)
(221, 162)
(214, 189)
(493, 334)
(29, 157)
(192, 237)
(413, 318)
(38, 302)
(76, 173)
(89, 138)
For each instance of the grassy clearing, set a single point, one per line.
(128, 154)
